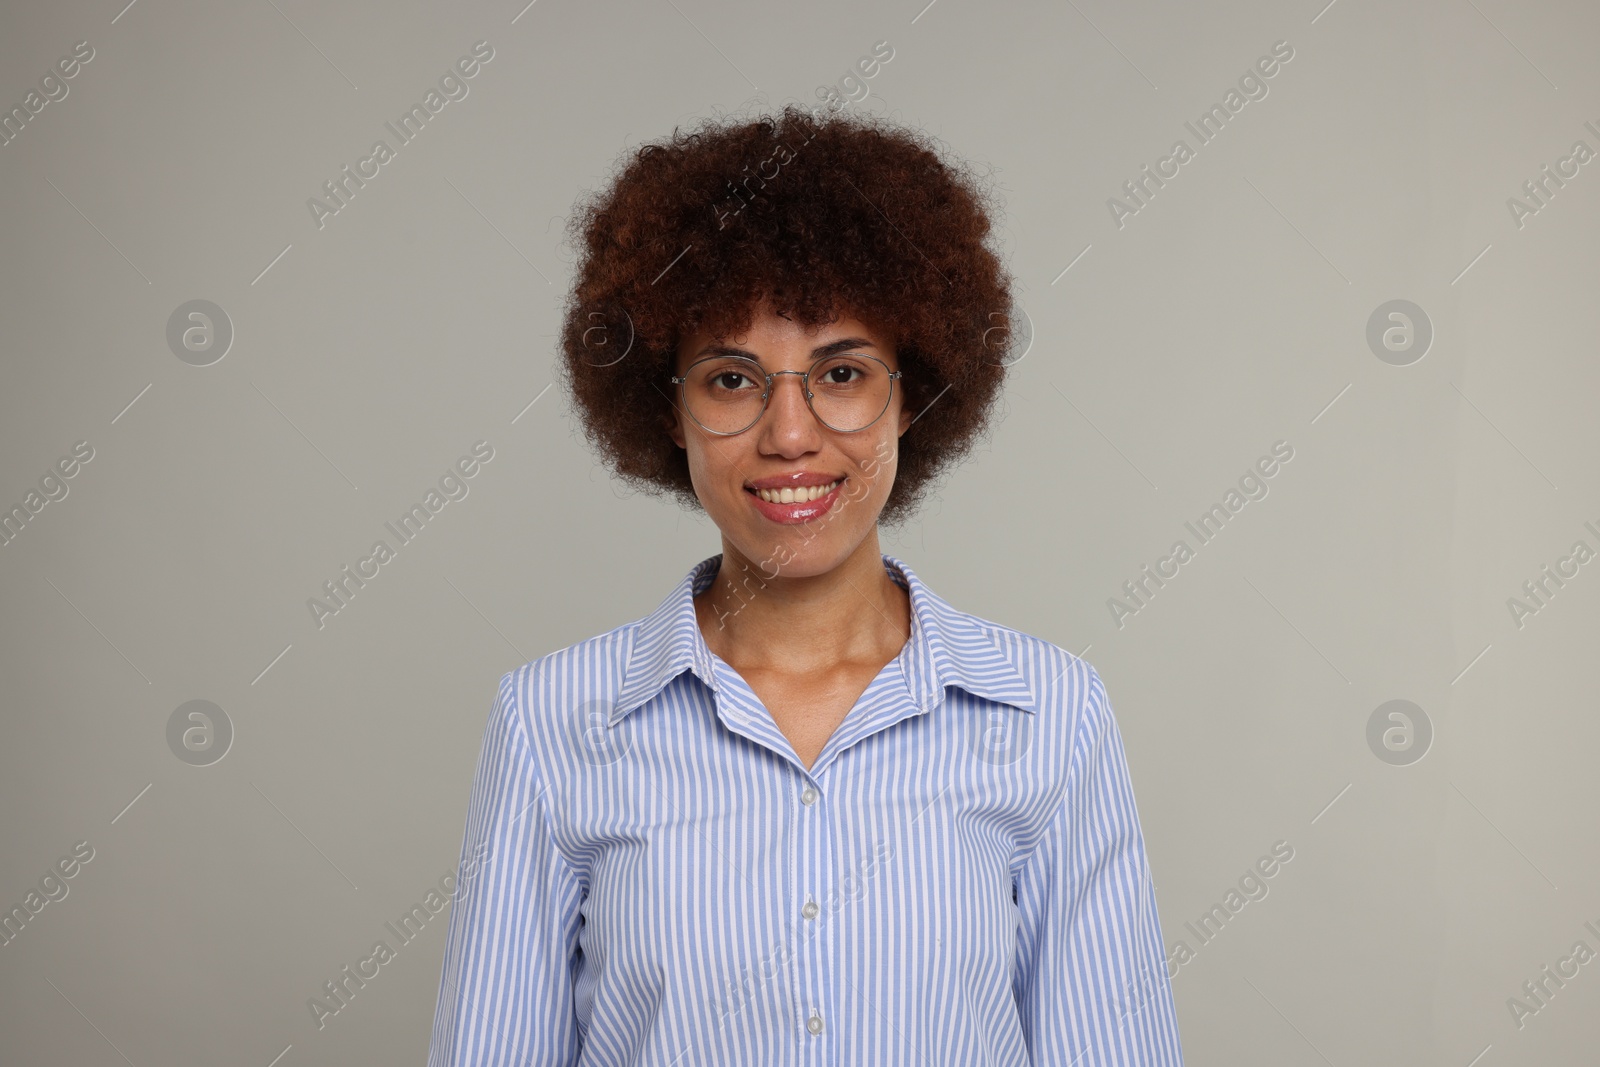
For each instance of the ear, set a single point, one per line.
(906, 419)
(673, 424)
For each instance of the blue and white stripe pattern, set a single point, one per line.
(656, 879)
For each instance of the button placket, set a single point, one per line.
(813, 958)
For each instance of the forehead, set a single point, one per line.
(770, 333)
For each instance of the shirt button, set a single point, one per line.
(808, 796)
(814, 1024)
(810, 909)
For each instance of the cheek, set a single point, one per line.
(857, 490)
(702, 473)
(876, 466)
(713, 466)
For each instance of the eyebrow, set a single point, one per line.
(844, 344)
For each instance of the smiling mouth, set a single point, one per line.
(803, 495)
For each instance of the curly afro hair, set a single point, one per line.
(814, 213)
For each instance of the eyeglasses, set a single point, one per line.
(726, 395)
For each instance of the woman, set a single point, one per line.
(806, 811)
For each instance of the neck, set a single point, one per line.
(853, 611)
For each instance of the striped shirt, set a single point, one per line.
(650, 875)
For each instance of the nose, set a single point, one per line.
(789, 419)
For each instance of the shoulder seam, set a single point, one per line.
(1072, 760)
(519, 711)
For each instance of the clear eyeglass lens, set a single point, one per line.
(849, 392)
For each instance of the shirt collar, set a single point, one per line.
(947, 647)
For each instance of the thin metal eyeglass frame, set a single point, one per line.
(766, 395)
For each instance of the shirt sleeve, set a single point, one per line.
(506, 994)
(1092, 982)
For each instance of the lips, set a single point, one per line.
(793, 480)
(794, 511)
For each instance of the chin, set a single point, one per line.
(793, 557)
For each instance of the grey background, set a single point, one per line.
(1228, 314)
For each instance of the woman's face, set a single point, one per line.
(790, 447)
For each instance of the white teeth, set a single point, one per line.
(792, 496)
